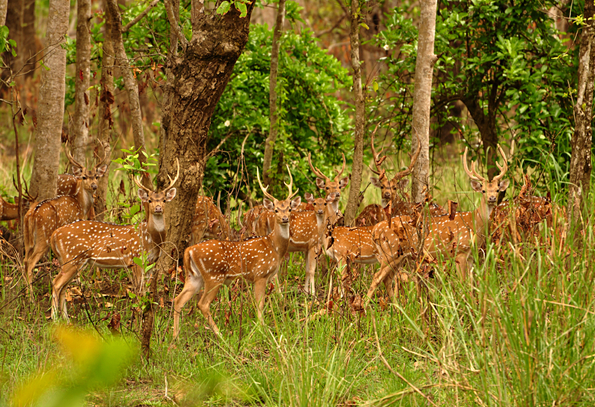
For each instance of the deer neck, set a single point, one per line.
(156, 228)
(84, 198)
(482, 217)
(280, 238)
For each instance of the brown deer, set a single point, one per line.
(110, 246)
(451, 236)
(216, 262)
(330, 186)
(47, 216)
(208, 222)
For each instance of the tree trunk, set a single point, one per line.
(358, 150)
(121, 59)
(422, 97)
(200, 75)
(80, 135)
(50, 113)
(270, 142)
(106, 120)
(20, 20)
(580, 161)
(3, 10)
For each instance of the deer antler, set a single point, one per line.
(317, 171)
(291, 195)
(171, 183)
(342, 169)
(71, 158)
(472, 174)
(504, 167)
(377, 161)
(264, 190)
(409, 169)
(105, 145)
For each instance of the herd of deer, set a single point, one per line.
(409, 233)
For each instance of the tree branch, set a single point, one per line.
(174, 23)
(140, 16)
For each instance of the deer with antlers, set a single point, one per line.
(215, 262)
(390, 188)
(450, 235)
(330, 186)
(111, 246)
(47, 216)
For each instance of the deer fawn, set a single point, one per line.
(47, 216)
(452, 236)
(110, 246)
(216, 262)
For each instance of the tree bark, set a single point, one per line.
(20, 20)
(50, 113)
(200, 74)
(580, 161)
(121, 59)
(422, 97)
(273, 117)
(80, 135)
(358, 150)
(3, 10)
(106, 120)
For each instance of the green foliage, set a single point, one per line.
(92, 364)
(7, 44)
(507, 56)
(311, 118)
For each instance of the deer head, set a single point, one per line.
(330, 186)
(389, 187)
(88, 177)
(282, 209)
(489, 189)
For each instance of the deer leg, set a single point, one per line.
(309, 286)
(260, 287)
(462, 262)
(32, 258)
(192, 286)
(209, 294)
(379, 277)
(67, 273)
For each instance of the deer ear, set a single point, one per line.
(170, 194)
(375, 181)
(268, 204)
(296, 202)
(101, 170)
(476, 185)
(77, 171)
(503, 185)
(309, 197)
(143, 195)
(343, 182)
(403, 183)
(320, 183)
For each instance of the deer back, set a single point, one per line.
(351, 241)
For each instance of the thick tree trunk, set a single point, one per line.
(50, 113)
(274, 120)
(80, 136)
(358, 150)
(106, 121)
(200, 75)
(20, 20)
(580, 161)
(121, 59)
(422, 98)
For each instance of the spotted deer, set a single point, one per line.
(328, 185)
(110, 246)
(44, 218)
(452, 236)
(215, 262)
